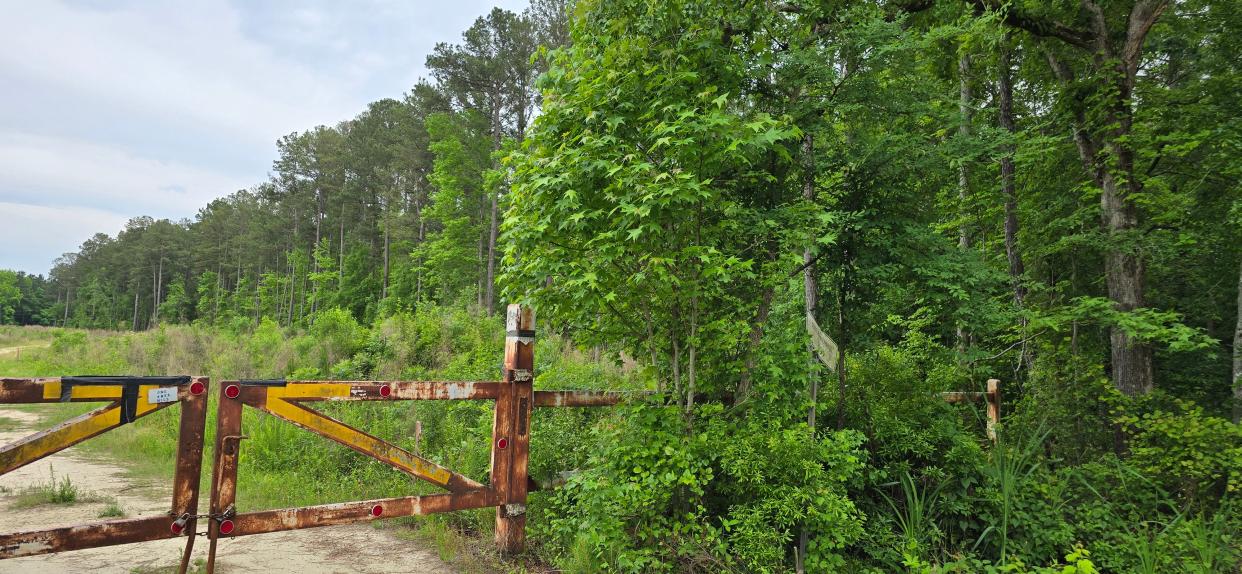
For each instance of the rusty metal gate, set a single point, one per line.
(510, 445)
(130, 398)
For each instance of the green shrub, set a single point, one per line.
(1197, 456)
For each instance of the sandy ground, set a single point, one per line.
(336, 549)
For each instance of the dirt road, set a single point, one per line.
(337, 549)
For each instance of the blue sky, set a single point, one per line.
(113, 109)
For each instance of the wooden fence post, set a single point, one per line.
(511, 430)
(994, 399)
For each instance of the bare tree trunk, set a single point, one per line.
(1016, 267)
(842, 339)
(340, 248)
(1124, 271)
(1237, 357)
(422, 231)
(810, 292)
(387, 241)
(155, 289)
(752, 347)
(491, 258)
(135, 309)
(965, 97)
(315, 248)
(490, 286)
(215, 308)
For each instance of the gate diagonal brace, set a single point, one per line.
(282, 402)
(130, 398)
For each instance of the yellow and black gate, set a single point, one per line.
(129, 398)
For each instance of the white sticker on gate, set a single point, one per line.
(162, 395)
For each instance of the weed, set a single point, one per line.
(112, 510)
(916, 518)
(56, 491)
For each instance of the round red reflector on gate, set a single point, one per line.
(502, 443)
(385, 391)
(177, 527)
(232, 391)
(226, 527)
(377, 510)
(197, 388)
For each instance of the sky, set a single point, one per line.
(115, 109)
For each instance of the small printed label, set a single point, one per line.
(162, 395)
(358, 391)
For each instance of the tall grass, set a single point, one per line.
(1009, 465)
(916, 516)
(282, 465)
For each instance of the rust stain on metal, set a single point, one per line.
(107, 533)
(348, 512)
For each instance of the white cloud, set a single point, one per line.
(116, 108)
(36, 168)
(31, 232)
(187, 62)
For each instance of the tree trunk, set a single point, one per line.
(965, 96)
(1124, 271)
(752, 346)
(842, 339)
(490, 286)
(340, 248)
(387, 241)
(810, 293)
(491, 258)
(1008, 190)
(155, 289)
(1237, 357)
(1016, 268)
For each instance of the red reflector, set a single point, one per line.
(177, 527)
(197, 388)
(377, 510)
(385, 391)
(232, 391)
(502, 443)
(226, 527)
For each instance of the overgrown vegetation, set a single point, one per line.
(1044, 193)
(57, 490)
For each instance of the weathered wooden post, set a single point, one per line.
(511, 430)
(994, 399)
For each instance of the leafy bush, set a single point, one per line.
(1195, 455)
